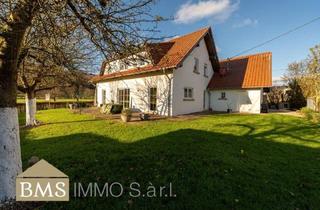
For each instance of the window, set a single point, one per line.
(113, 67)
(188, 93)
(124, 97)
(223, 96)
(205, 69)
(123, 66)
(141, 62)
(196, 66)
(153, 99)
(103, 93)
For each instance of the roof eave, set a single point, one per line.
(135, 74)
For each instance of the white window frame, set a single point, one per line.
(151, 102)
(124, 98)
(223, 96)
(103, 96)
(122, 65)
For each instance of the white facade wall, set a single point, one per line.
(244, 101)
(185, 77)
(139, 92)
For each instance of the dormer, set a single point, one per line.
(132, 62)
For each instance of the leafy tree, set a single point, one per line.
(296, 97)
(311, 81)
(295, 77)
(305, 77)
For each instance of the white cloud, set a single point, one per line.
(246, 22)
(218, 9)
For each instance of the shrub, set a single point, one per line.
(126, 112)
(316, 117)
(307, 113)
(116, 108)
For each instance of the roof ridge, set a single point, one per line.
(245, 56)
(188, 34)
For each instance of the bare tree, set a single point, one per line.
(115, 27)
(48, 57)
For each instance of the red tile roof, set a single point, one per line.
(165, 55)
(252, 71)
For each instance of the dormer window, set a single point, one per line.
(122, 66)
(141, 63)
(196, 66)
(113, 67)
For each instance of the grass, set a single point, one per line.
(213, 162)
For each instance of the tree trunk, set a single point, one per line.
(95, 97)
(31, 109)
(10, 156)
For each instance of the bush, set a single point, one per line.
(126, 112)
(307, 113)
(310, 114)
(116, 108)
(316, 117)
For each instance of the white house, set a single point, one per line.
(183, 76)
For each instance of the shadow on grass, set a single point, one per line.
(280, 131)
(208, 170)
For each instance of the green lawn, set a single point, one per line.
(214, 162)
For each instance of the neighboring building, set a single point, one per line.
(239, 85)
(183, 76)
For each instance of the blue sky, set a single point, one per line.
(241, 24)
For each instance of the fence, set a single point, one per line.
(53, 105)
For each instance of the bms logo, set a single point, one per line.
(42, 182)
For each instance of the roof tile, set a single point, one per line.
(251, 71)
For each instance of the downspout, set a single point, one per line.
(209, 98)
(169, 92)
